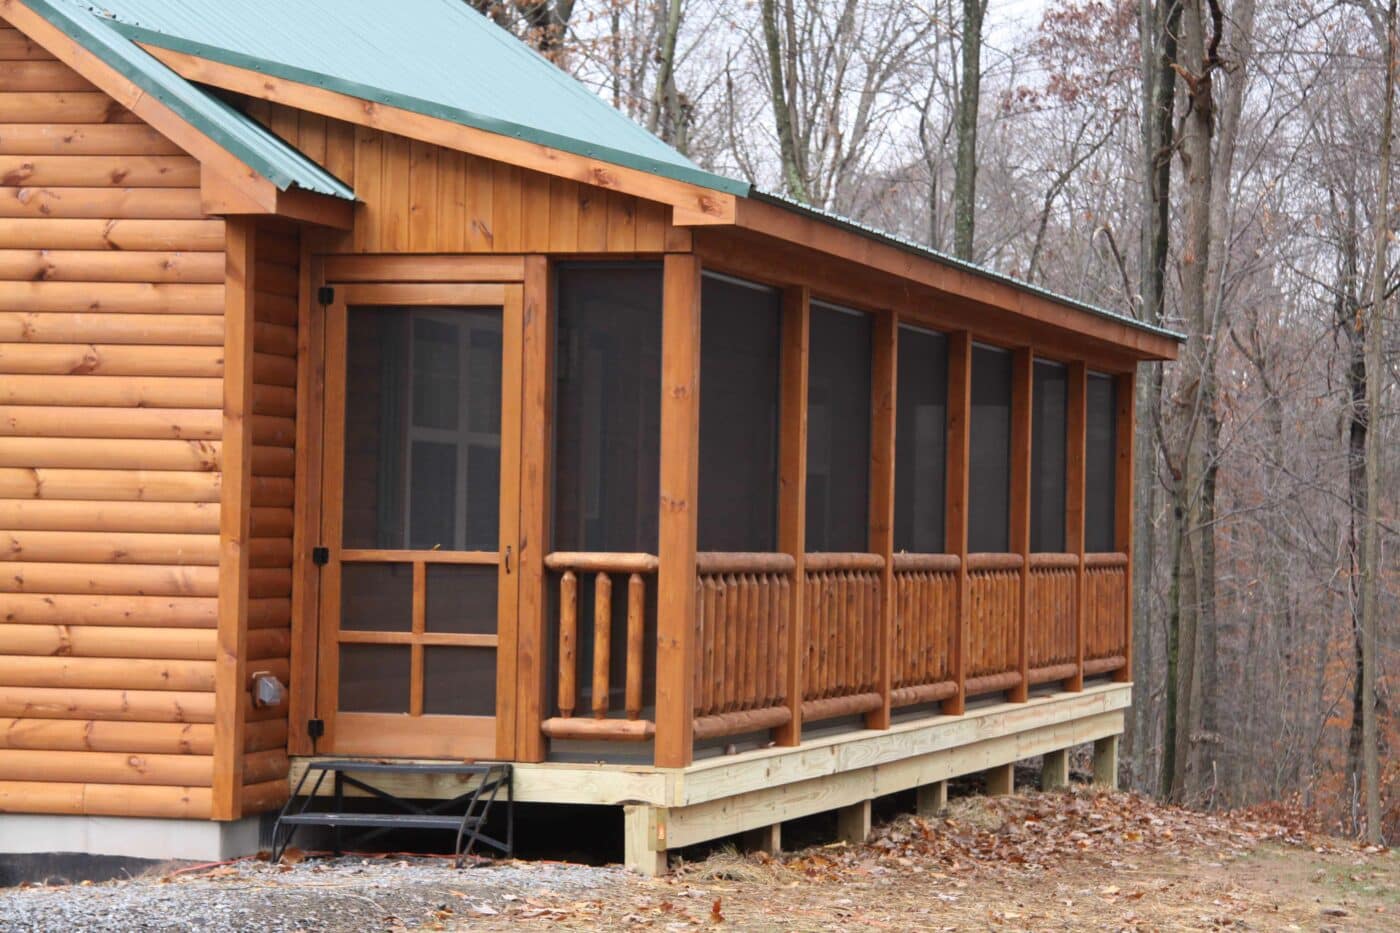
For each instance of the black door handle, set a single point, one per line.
(507, 558)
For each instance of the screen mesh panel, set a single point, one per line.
(740, 368)
(838, 430)
(1100, 464)
(607, 407)
(989, 462)
(1049, 398)
(921, 442)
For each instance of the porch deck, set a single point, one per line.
(668, 808)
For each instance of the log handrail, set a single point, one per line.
(601, 562)
(905, 562)
(829, 561)
(1054, 562)
(603, 566)
(984, 562)
(716, 562)
(1106, 560)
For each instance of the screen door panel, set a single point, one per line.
(422, 411)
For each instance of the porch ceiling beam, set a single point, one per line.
(692, 204)
(774, 221)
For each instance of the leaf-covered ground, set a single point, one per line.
(1072, 860)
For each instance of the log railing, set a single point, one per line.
(1105, 612)
(925, 628)
(1052, 620)
(994, 622)
(743, 610)
(631, 571)
(842, 607)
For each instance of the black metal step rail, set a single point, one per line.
(469, 824)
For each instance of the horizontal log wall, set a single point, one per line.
(419, 198)
(111, 366)
(276, 287)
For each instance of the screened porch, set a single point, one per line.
(856, 518)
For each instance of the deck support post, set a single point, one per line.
(680, 453)
(639, 846)
(931, 799)
(1001, 780)
(1076, 450)
(1054, 770)
(1106, 762)
(853, 823)
(766, 839)
(792, 493)
(955, 513)
(1022, 389)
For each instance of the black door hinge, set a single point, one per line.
(325, 295)
(315, 728)
(320, 556)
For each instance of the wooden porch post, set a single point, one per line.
(1022, 383)
(884, 383)
(536, 422)
(235, 514)
(1076, 443)
(1125, 391)
(792, 492)
(959, 449)
(680, 453)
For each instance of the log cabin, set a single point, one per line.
(369, 389)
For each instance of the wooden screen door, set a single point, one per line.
(420, 518)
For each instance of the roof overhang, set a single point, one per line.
(692, 203)
(229, 184)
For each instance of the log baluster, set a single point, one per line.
(568, 644)
(636, 615)
(602, 642)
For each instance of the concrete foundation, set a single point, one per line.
(131, 837)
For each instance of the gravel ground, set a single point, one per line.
(350, 893)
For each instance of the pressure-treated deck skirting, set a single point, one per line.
(667, 808)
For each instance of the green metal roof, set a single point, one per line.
(436, 57)
(439, 58)
(239, 134)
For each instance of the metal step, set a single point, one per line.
(377, 820)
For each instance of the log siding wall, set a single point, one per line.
(111, 366)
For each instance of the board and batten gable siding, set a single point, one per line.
(420, 198)
(112, 331)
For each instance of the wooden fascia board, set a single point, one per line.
(694, 203)
(212, 157)
(218, 197)
(812, 233)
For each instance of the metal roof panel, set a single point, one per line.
(236, 132)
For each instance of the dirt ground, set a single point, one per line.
(1080, 860)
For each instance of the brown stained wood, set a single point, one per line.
(106, 767)
(63, 107)
(536, 435)
(680, 435)
(636, 623)
(423, 200)
(602, 642)
(15, 46)
(235, 506)
(599, 562)
(1022, 388)
(568, 643)
(56, 138)
(131, 171)
(89, 203)
(393, 236)
(883, 389)
(50, 421)
(97, 735)
(1126, 391)
(613, 730)
(186, 236)
(125, 329)
(792, 505)
(1076, 445)
(737, 723)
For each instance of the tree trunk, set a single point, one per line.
(969, 98)
(779, 78)
(1371, 531)
(1157, 28)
